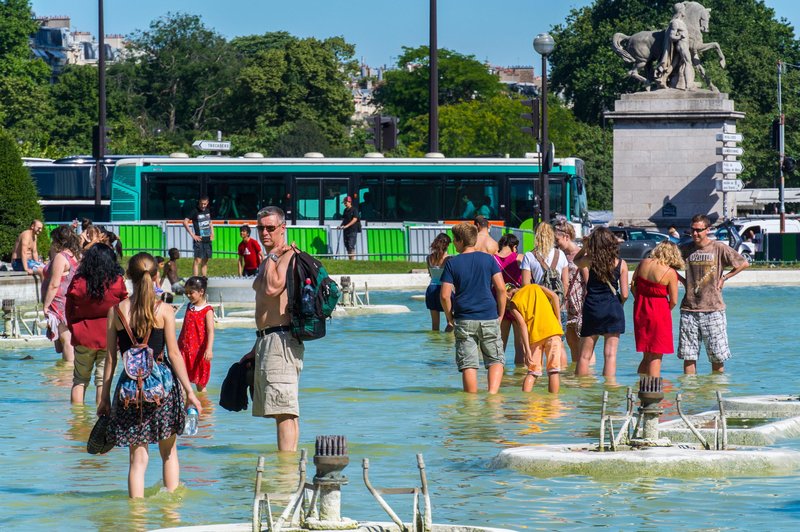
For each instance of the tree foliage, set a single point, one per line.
(462, 78)
(19, 204)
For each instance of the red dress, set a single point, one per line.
(193, 342)
(652, 318)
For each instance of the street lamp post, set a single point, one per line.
(101, 104)
(544, 44)
(433, 89)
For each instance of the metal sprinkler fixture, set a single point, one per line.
(331, 458)
(9, 325)
(651, 393)
(348, 291)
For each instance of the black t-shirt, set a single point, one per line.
(347, 217)
(201, 221)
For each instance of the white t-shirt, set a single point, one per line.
(531, 264)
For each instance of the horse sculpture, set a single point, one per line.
(645, 49)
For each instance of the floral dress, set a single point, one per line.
(193, 342)
(148, 423)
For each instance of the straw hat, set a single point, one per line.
(100, 441)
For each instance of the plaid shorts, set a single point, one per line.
(711, 328)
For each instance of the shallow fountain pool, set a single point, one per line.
(391, 387)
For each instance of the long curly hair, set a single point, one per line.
(668, 254)
(100, 269)
(64, 238)
(544, 239)
(439, 248)
(142, 271)
(602, 248)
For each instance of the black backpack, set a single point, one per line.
(309, 324)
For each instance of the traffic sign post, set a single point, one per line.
(729, 167)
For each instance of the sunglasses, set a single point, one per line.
(698, 229)
(267, 228)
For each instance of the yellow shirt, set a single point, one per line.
(534, 305)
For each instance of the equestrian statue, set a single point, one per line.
(670, 56)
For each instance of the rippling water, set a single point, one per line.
(391, 387)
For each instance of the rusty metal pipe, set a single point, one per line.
(689, 423)
(381, 501)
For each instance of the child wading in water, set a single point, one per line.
(536, 310)
(197, 334)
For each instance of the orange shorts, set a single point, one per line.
(549, 347)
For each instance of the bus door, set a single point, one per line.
(522, 193)
(319, 199)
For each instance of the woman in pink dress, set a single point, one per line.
(64, 255)
(655, 289)
(509, 261)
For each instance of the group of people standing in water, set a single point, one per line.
(580, 297)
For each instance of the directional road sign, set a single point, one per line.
(730, 151)
(729, 137)
(729, 167)
(729, 185)
(212, 145)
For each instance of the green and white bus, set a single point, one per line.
(311, 189)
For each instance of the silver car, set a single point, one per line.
(636, 244)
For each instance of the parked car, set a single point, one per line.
(636, 244)
(751, 232)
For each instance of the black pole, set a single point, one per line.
(433, 91)
(544, 148)
(101, 105)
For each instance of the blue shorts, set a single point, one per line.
(16, 265)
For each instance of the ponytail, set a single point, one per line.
(141, 271)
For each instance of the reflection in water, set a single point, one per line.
(539, 413)
(59, 374)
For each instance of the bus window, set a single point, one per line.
(370, 196)
(170, 196)
(413, 198)
(467, 197)
(58, 182)
(232, 197)
(556, 196)
(521, 205)
(273, 193)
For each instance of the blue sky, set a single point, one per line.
(500, 31)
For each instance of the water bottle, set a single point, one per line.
(307, 306)
(191, 422)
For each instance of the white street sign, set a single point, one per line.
(729, 185)
(729, 137)
(212, 145)
(729, 128)
(729, 167)
(730, 151)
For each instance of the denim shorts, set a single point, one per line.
(478, 337)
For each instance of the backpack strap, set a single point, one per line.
(555, 259)
(127, 327)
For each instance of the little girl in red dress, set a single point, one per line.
(196, 341)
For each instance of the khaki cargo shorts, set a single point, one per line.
(278, 363)
(476, 339)
(87, 358)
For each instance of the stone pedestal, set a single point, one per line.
(665, 155)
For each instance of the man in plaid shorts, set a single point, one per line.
(702, 309)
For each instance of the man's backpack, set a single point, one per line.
(145, 378)
(322, 293)
(551, 277)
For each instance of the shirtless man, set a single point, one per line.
(485, 242)
(278, 355)
(25, 257)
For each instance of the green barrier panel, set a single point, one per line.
(226, 241)
(387, 243)
(527, 238)
(138, 238)
(789, 245)
(312, 240)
